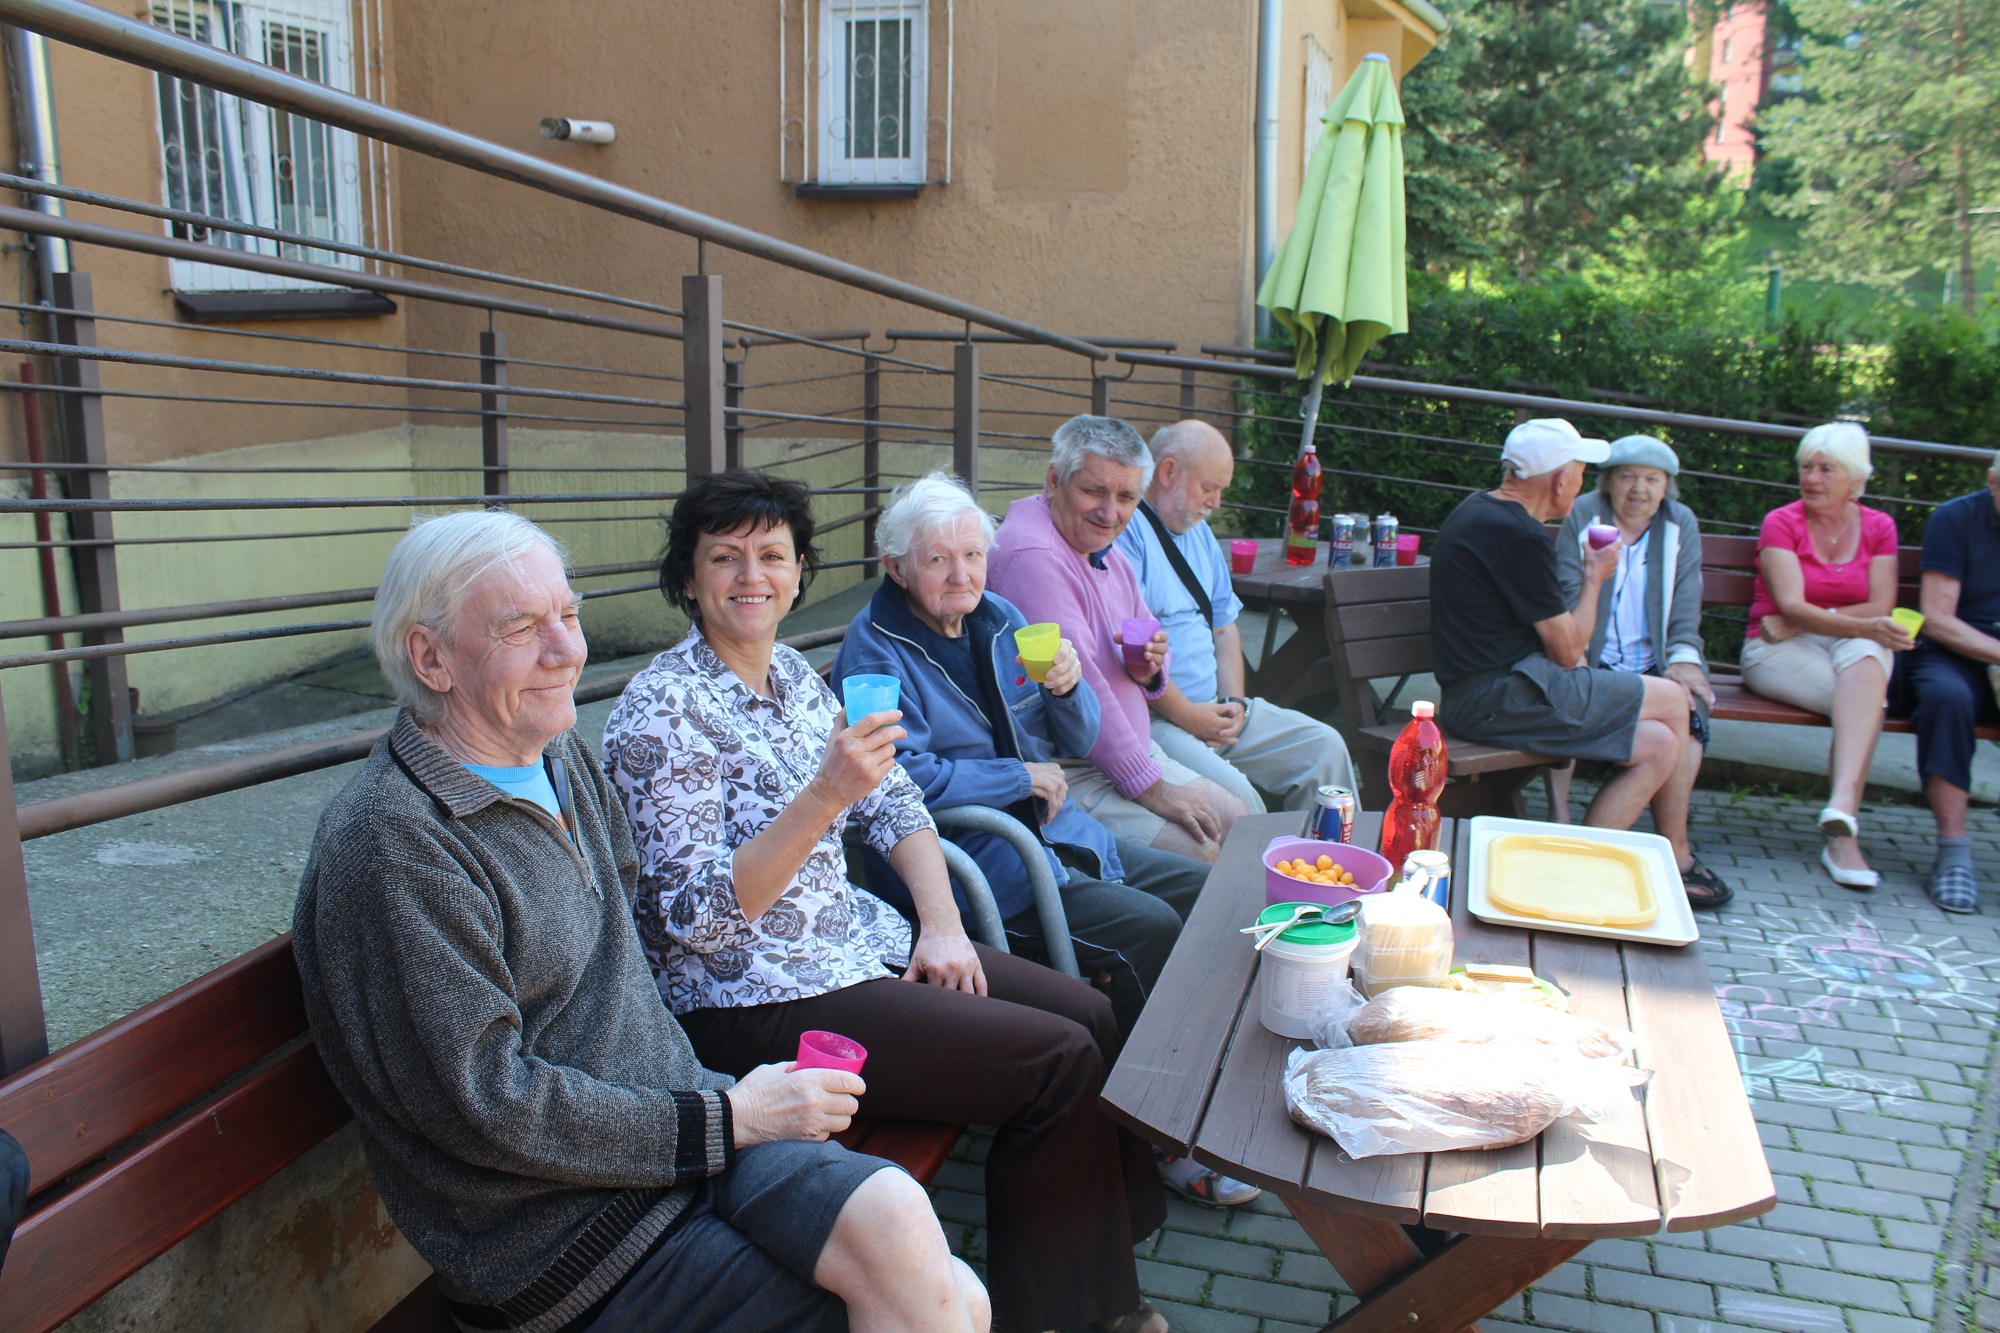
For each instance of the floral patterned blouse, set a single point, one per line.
(705, 764)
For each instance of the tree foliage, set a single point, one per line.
(1893, 144)
(1544, 126)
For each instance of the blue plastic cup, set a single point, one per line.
(869, 694)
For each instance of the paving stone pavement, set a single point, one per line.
(1865, 1026)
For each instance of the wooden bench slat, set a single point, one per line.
(1362, 621)
(1597, 1180)
(1192, 1005)
(96, 1093)
(1464, 758)
(1496, 1188)
(1709, 1162)
(920, 1147)
(83, 1243)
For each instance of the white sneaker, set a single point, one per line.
(1197, 1184)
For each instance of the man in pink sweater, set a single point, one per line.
(1054, 558)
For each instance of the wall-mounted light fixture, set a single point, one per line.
(582, 131)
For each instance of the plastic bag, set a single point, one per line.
(1434, 1096)
(1420, 1013)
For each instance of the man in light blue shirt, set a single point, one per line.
(1241, 743)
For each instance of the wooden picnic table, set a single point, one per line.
(1300, 667)
(1200, 1074)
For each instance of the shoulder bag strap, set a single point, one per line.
(1180, 564)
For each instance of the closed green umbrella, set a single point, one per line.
(1338, 282)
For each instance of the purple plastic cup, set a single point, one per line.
(1601, 535)
(830, 1050)
(1138, 631)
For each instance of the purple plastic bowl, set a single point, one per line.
(1371, 872)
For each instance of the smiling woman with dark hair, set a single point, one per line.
(739, 770)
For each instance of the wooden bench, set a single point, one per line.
(1378, 626)
(143, 1131)
(1729, 578)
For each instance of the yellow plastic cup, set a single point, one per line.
(1038, 644)
(1910, 620)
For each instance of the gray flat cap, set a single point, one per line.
(1642, 451)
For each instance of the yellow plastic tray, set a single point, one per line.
(1568, 879)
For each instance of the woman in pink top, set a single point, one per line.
(1820, 633)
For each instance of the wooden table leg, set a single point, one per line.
(1287, 674)
(1469, 1278)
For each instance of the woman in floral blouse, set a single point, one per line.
(739, 770)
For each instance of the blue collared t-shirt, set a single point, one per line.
(527, 783)
(1962, 541)
(1190, 642)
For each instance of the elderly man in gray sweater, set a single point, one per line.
(534, 1117)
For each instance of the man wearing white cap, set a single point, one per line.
(1508, 647)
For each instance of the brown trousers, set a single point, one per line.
(1068, 1193)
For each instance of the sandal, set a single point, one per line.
(1704, 887)
(1145, 1319)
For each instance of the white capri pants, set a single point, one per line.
(1800, 671)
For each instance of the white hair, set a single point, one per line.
(1108, 437)
(933, 504)
(427, 576)
(1845, 445)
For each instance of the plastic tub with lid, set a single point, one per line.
(1300, 968)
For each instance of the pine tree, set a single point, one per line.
(1571, 117)
(1894, 143)
(1448, 176)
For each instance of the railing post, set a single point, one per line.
(701, 373)
(1100, 396)
(965, 413)
(96, 564)
(732, 415)
(871, 458)
(493, 419)
(24, 1036)
(1187, 391)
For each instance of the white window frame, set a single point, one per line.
(249, 133)
(836, 166)
(1319, 96)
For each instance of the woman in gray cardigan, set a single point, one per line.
(1648, 618)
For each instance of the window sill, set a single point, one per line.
(812, 190)
(248, 307)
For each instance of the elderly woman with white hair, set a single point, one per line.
(1648, 618)
(1820, 635)
(536, 1121)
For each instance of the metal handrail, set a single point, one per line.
(83, 24)
(1041, 880)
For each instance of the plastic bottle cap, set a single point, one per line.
(1423, 708)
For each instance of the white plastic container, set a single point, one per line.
(1299, 968)
(1405, 940)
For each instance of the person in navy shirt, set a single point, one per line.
(1951, 682)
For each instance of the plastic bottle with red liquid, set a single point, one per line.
(1302, 529)
(1417, 766)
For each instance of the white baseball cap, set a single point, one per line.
(1547, 443)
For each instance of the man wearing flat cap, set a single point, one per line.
(1509, 648)
(1648, 617)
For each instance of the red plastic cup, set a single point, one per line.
(1406, 547)
(830, 1050)
(1242, 556)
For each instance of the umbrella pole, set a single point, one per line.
(1313, 395)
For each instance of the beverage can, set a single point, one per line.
(1436, 868)
(1384, 534)
(1340, 550)
(1331, 818)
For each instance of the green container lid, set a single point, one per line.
(1306, 932)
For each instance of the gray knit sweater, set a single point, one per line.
(533, 1115)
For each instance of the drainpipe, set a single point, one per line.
(35, 133)
(1270, 32)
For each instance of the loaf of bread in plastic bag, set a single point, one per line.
(1422, 1013)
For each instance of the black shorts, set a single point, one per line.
(742, 1255)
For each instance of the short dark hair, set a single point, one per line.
(724, 502)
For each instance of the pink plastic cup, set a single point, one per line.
(830, 1050)
(1406, 547)
(1601, 535)
(1242, 556)
(1137, 632)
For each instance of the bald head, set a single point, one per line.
(1192, 466)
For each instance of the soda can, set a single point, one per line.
(1331, 816)
(1384, 541)
(1340, 551)
(1436, 868)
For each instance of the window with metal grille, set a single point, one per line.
(239, 161)
(859, 79)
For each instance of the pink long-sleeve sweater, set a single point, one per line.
(1035, 569)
